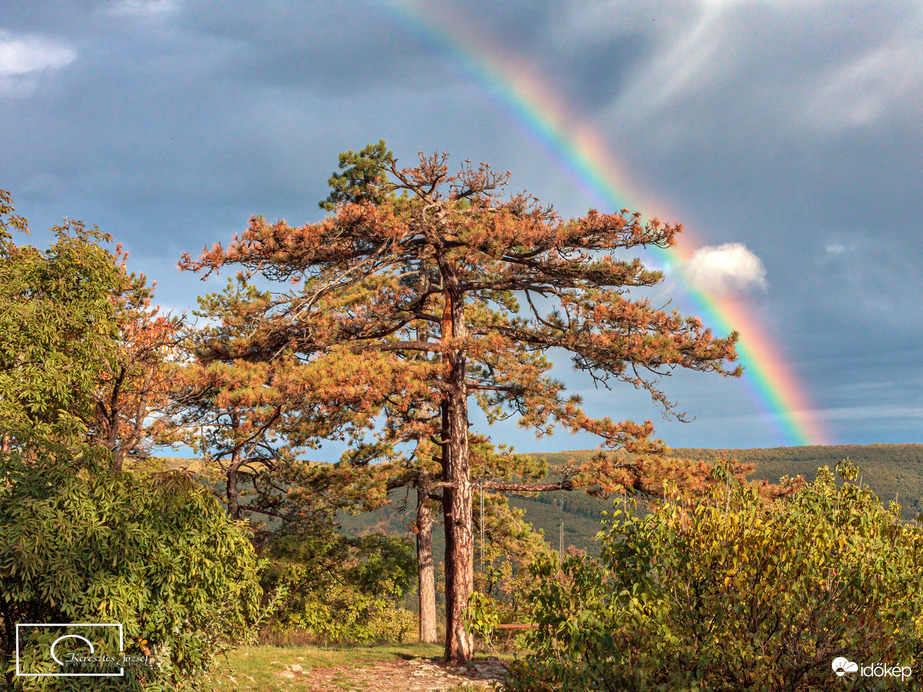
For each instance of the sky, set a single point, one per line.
(787, 138)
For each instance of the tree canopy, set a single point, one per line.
(81, 352)
(57, 330)
(468, 292)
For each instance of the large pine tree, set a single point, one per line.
(468, 291)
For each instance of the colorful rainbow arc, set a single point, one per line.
(581, 149)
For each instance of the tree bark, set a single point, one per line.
(231, 490)
(448, 526)
(426, 588)
(457, 502)
(458, 495)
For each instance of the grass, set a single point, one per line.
(257, 668)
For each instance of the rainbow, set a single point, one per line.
(582, 150)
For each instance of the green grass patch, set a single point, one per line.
(258, 668)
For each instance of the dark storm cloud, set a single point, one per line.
(337, 49)
(594, 75)
(790, 128)
(193, 102)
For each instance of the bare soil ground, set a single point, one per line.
(415, 674)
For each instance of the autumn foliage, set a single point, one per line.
(441, 276)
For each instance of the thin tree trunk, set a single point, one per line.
(425, 566)
(109, 417)
(233, 494)
(448, 525)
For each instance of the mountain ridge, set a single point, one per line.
(892, 471)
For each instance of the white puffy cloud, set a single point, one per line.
(23, 58)
(21, 55)
(727, 267)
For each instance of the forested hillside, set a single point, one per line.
(891, 471)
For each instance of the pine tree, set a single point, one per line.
(469, 291)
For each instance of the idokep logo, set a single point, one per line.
(842, 666)
(70, 649)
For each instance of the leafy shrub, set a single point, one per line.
(482, 616)
(733, 593)
(501, 575)
(339, 589)
(58, 330)
(156, 554)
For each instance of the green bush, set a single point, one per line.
(339, 590)
(734, 593)
(156, 554)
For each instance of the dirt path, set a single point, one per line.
(419, 674)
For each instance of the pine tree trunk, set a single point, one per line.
(448, 526)
(459, 537)
(425, 567)
(458, 495)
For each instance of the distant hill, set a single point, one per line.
(891, 471)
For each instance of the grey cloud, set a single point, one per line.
(179, 120)
(329, 49)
